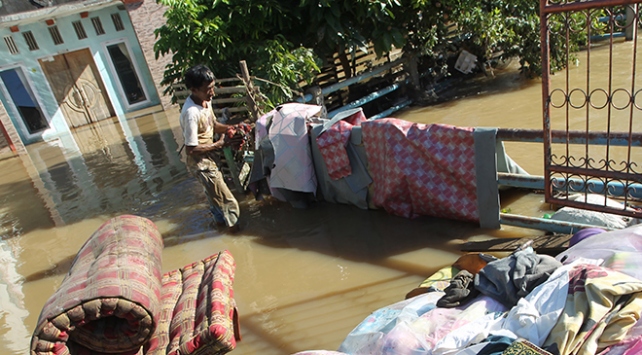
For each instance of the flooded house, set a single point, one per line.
(65, 64)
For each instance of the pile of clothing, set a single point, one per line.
(586, 300)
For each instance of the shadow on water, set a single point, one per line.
(61, 268)
(349, 233)
(346, 231)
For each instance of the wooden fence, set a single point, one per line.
(329, 83)
(236, 96)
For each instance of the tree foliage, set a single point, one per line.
(285, 41)
(221, 33)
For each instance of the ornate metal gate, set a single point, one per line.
(592, 105)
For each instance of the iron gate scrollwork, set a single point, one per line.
(592, 105)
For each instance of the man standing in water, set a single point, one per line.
(199, 126)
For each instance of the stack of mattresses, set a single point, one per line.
(114, 299)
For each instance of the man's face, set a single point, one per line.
(205, 92)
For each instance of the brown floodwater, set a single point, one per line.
(304, 278)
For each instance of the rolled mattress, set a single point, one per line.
(109, 302)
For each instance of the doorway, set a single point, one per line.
(78, 88)
(24, 100)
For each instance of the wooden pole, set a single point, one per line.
(631, 21)
(8, 138)
(251, 102)
(6, 135)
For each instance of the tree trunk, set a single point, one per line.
(345, 62)
(411, 66)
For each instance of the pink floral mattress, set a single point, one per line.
(419, 169)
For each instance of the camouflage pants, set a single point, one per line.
(223, 204)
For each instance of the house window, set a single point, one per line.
(122, 61)
(31, 40)
(80, 30)
(118, 22)
(98, 26)
(55, 35)
(13, 49)
(24, 100)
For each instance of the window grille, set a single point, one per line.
(98, 26)
(31, 40)
(80, 30)
(13, 49)
(55, 35)
(118, 22)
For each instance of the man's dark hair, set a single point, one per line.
(198, 75)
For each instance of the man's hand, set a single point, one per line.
(235, 141)
(236, 135)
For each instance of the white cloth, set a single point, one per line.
(367, 337)
(293, 167)
(594, 218)
(471, 333)
(536, 314)
(472, 350)
(619, 250)
(422, 334)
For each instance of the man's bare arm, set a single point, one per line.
(220, 127)
(204, 148)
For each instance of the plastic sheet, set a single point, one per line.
(619, 250)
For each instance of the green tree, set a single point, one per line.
(348, 26)
(220, 33)
(284, 41)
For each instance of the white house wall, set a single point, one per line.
(28, 61)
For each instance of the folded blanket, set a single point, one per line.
(198, 312)
(524, 347)
(333, 140)
(109, 302)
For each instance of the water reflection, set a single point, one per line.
(103, 169)
(12, 308)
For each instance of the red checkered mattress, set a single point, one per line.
(109, 302)
(199, 313)
(115, 301)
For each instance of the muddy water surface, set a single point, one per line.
(304, 278)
